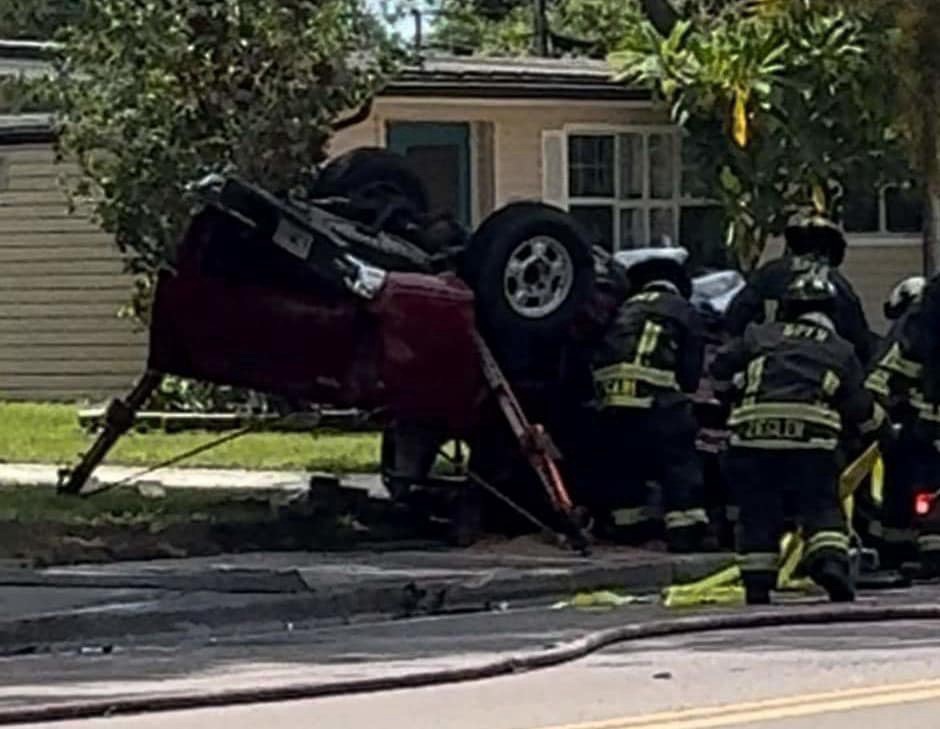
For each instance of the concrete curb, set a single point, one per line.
(523, 661)
(391, 597)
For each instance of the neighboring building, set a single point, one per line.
(483, 132)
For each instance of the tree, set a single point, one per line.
(506, 27)
(37, 19)
(154, 95)
(783, 106)
(915, 60)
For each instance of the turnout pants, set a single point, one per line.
(894, 527)
(773, 485)
(639, 446)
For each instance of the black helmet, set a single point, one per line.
(816, 235)
(904, 294)
(645, 266)
(809, 292)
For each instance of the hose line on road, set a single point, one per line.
(521, 662)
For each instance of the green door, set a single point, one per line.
(441, 155)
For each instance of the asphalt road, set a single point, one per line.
(842, 677)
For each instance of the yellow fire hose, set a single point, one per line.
(725, 587)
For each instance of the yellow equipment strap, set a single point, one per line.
(856, 471)
(878, 481)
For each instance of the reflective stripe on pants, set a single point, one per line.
(687, 518)
(826, 540)
(632, 516)
(928, 543)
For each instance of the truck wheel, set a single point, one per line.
(532, 269)
(372, 173)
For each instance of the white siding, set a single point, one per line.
(61, 285)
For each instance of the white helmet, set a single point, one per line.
(903, 295)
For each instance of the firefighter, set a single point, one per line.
(903, 379)
(799, 386)
(648, 363)
(891, 380)
(810, 242)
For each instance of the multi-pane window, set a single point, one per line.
(889, 210)
(634, 188)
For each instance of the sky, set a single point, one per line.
(405, 27)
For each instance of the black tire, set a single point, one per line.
(500, 238)
(372, 172)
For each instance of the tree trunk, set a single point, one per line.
(932, 228)
(661, 14)
(541, 28)
(931, 166)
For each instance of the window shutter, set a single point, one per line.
(554, 168)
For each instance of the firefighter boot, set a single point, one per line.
(928, 547)
(834, 576)
(757, 587)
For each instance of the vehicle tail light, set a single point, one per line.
(923, 503)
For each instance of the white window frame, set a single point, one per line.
(883, 237)
(675, 202)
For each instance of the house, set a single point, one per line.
(483, 132)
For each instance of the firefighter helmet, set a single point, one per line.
(811, 292)
(811, 286)
(903, 295)
(646, 266)
(816, 235)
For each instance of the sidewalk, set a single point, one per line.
(69, 604)
(30, 474)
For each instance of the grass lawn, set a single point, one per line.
(41, 433)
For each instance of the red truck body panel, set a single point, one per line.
(410, 350)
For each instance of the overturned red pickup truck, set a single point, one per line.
(357, 295)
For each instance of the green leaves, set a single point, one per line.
(36, 19)
(793, 98)
(155, 94)
(505, 27)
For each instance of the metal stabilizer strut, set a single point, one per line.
(539, 449)
(119, 418)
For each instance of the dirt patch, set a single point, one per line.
(39, 527)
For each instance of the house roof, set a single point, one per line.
(25, 128)
(516, 78)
